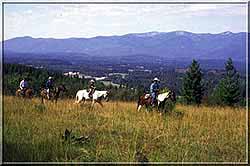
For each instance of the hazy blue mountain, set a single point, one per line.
(163, 45)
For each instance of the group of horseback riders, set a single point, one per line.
(24, 85)
(49, 86)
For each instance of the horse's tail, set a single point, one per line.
(29, 93)
(17, 92)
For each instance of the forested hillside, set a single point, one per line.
(13, 74)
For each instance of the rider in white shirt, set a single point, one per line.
(23, 85)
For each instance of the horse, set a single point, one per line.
(83, 95)
(27, 94)
(146, 99)
(54, 95)
(162, 98)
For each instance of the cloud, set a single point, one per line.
(95, 19)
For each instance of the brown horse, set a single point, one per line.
(54, 95)
(28, 93)
(146, 99)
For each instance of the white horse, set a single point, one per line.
(83, 95)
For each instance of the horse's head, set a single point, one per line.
(106, 96)
(173, 96)
(62, 88)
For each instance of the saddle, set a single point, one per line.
(147, 96)
(22, 91)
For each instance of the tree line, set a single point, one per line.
(229, 91)
(195, 89)
(14, 73)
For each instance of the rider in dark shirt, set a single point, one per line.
(91, 88)
(154, 89)
(49, 86)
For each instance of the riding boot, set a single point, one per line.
(153, 103)
(23, 92)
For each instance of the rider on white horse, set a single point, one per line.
(83, 95)
(91, 88)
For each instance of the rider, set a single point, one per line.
(23, 85)
(49, 86)
(91, 88)
(154, 89)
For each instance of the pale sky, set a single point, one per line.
(90, 20)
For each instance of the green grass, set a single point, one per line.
(118, 133)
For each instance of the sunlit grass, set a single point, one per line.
(117, 132)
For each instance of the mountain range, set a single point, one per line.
(165, 45)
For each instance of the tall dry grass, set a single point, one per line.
(33, 132)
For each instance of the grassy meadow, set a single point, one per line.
(118, 133)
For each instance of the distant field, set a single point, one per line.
(117, 133)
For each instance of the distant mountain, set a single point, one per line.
(163, 45)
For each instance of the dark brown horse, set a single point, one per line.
(54, 95)
(28, 93)
(146, 99)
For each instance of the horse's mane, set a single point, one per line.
(101, 91)
(165, 90)
(165, 93)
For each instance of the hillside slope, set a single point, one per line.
(117, 133)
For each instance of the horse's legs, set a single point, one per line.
(140, 103)
(159, 106)
(92, 104)
(28, 95)
(56, 98)
(148, 109)
(42, 100)
(77, 101)
(100, 103)
(139, 107)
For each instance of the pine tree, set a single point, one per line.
(192, 89)
(228, 90)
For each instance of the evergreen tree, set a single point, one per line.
(192, 89)
(228, 90)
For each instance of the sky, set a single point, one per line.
(90, 20)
